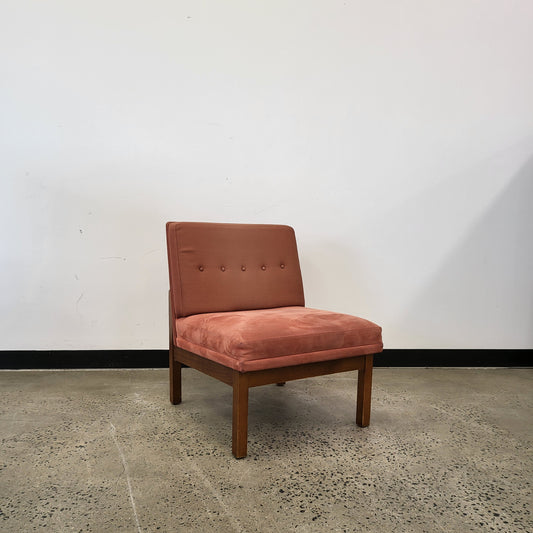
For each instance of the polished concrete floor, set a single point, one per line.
(447, 450)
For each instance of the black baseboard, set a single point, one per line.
(455, 358)
(65, 359)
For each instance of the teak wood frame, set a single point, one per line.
(242, 381)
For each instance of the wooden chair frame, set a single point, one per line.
(242, 381)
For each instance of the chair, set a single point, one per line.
(236, 313)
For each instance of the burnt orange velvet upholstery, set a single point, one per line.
(271, 338)
(237, 314)
(231, 267)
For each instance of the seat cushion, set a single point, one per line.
(271, 338)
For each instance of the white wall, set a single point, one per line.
(396, 137)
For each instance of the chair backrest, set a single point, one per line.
(232, 267)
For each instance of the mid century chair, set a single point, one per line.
(237, 314)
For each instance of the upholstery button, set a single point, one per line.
(263, 267)
(282, 265)
(243, 268)
(223, 268)
(201, 268)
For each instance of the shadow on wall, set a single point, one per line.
(482, 294)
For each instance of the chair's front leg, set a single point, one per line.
(240, 415)
(364, 392)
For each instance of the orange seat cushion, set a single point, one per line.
(272, 338)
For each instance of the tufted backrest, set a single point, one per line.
(232, 267)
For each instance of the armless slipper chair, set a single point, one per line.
(237, 314)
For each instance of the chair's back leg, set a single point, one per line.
(364, 392)
(174, 367)
(240, 415)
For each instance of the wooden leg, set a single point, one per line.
(364, 392)
(174, 368)
(240, 415)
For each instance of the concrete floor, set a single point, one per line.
(447, 450)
